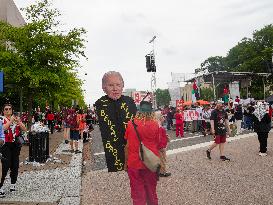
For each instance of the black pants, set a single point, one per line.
(51, 125)
(10, 152)
(262, 137)
(169, 124)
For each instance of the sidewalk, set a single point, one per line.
(49, 186)
(195, 180)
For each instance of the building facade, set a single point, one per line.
(9, 13)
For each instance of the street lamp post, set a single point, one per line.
(153, 77)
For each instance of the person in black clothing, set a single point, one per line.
(238, 115)
(248, 117)
(170, 116)
(12, 127)
(219, 129)
(262, 126)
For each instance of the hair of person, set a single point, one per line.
(7, 104)
(145, 116)
(158, 115)
(110, 73)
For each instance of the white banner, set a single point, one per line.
(190, 115)
(234, 89)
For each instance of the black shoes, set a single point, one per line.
(165, 174)
(208, 154)
(224, 158)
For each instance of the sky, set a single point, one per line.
(187, 33)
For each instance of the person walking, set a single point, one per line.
(12, 127)
(262, 126)
(74, 132)
(179, 125)
(219, 129)
(143, 182)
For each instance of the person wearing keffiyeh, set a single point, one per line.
(262, 126)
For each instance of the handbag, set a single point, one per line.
(150, 160)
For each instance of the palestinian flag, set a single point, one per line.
(195, 91)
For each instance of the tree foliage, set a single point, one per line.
(162, 97)
(216, 63)
(249, 55)
(207, 94)
(39, 58)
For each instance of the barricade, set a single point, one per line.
(38, 146)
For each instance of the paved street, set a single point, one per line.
(189, 139)
(246, 179)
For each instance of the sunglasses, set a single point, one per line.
(6, 109)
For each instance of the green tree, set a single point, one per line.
(38, 58)
(162, 97)
(206, 94)
(254, 55)
(216, 63)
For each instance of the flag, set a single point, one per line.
(195, 92)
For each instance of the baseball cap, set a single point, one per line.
(145, 106)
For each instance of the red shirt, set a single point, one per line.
(149, 135)
(9, 132)
(179, 118)
(163, 139)
(50, 116)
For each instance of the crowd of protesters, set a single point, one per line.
(76, 123)
(240, 117)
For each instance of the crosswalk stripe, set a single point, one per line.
(205, 144)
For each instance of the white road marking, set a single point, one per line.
(205, 144)
(186, 138)
(196, 146)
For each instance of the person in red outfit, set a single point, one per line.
(143, 182)
(50, 121)
(179, 118)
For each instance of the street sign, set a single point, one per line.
(1, 82)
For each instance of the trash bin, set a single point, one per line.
(38, 146)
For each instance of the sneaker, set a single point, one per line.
(12, 188)
(208, 154)
(77, 152)
(224, 158)
(165, 174)
(263, 154)
(2, 193)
